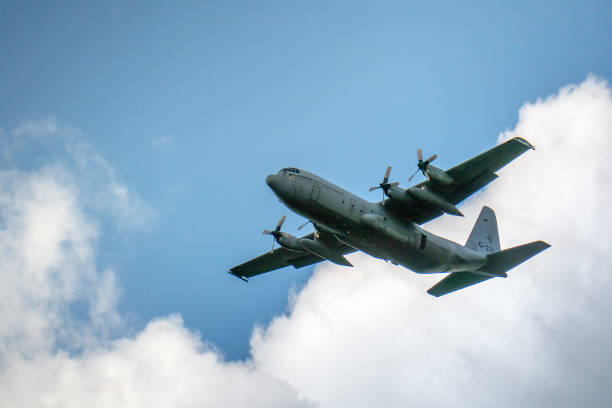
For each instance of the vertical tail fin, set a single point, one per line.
(484, 236)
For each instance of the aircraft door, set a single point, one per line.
(314, 195)
(420, 240)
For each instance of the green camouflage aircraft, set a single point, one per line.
(390, 229)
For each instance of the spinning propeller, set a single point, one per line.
(422, 165)
(385, 183)
(277, 231)
(303, 225)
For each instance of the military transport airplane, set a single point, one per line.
(390, 229)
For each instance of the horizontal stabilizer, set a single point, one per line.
(503, 261)
(456, 281)
(497, 265)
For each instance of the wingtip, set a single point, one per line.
(432, 293)
(524, 142)
(237, 276)
(545, 244)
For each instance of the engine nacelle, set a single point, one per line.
(400, 195)
(290, 242)
(428, 197)
(323, 251)
(439, 175)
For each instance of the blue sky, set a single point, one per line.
(194, 105)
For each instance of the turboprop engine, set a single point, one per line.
(432, 172)
(425, 196)
(416, 195)
(285, 240)
(314, 246)
(420, 195)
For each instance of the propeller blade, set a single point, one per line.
(266, 232)
(387, 173)
(432, 158)
(374, 188)
(420, 155)
(280, 223)
(414, 174)
(394, 184)
(303, 225)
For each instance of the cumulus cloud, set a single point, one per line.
(363, 336)
(165, 365)
(43, 141)
(62, 342)
(46, 260)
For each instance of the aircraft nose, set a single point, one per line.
(270, 181)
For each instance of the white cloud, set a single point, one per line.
(34, 143)
(46, 262)
(36, 128)
(102, 190)
(49, 354)
(364, 336)
(165, 365)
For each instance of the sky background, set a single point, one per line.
(167, 119)
(194, 105)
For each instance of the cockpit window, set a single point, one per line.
(290, 170)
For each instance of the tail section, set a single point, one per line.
(484, 236)
(498, 263)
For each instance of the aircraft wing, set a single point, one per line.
(456, 281)
(282, 257)
(470, 176)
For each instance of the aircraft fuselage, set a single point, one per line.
(370, 227)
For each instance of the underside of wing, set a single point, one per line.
(456, 281)
(469, 177)
(490, 161)
(282, 257)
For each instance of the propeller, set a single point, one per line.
(277, 231)
(422, 165)
(303, 225)
(385, 183)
